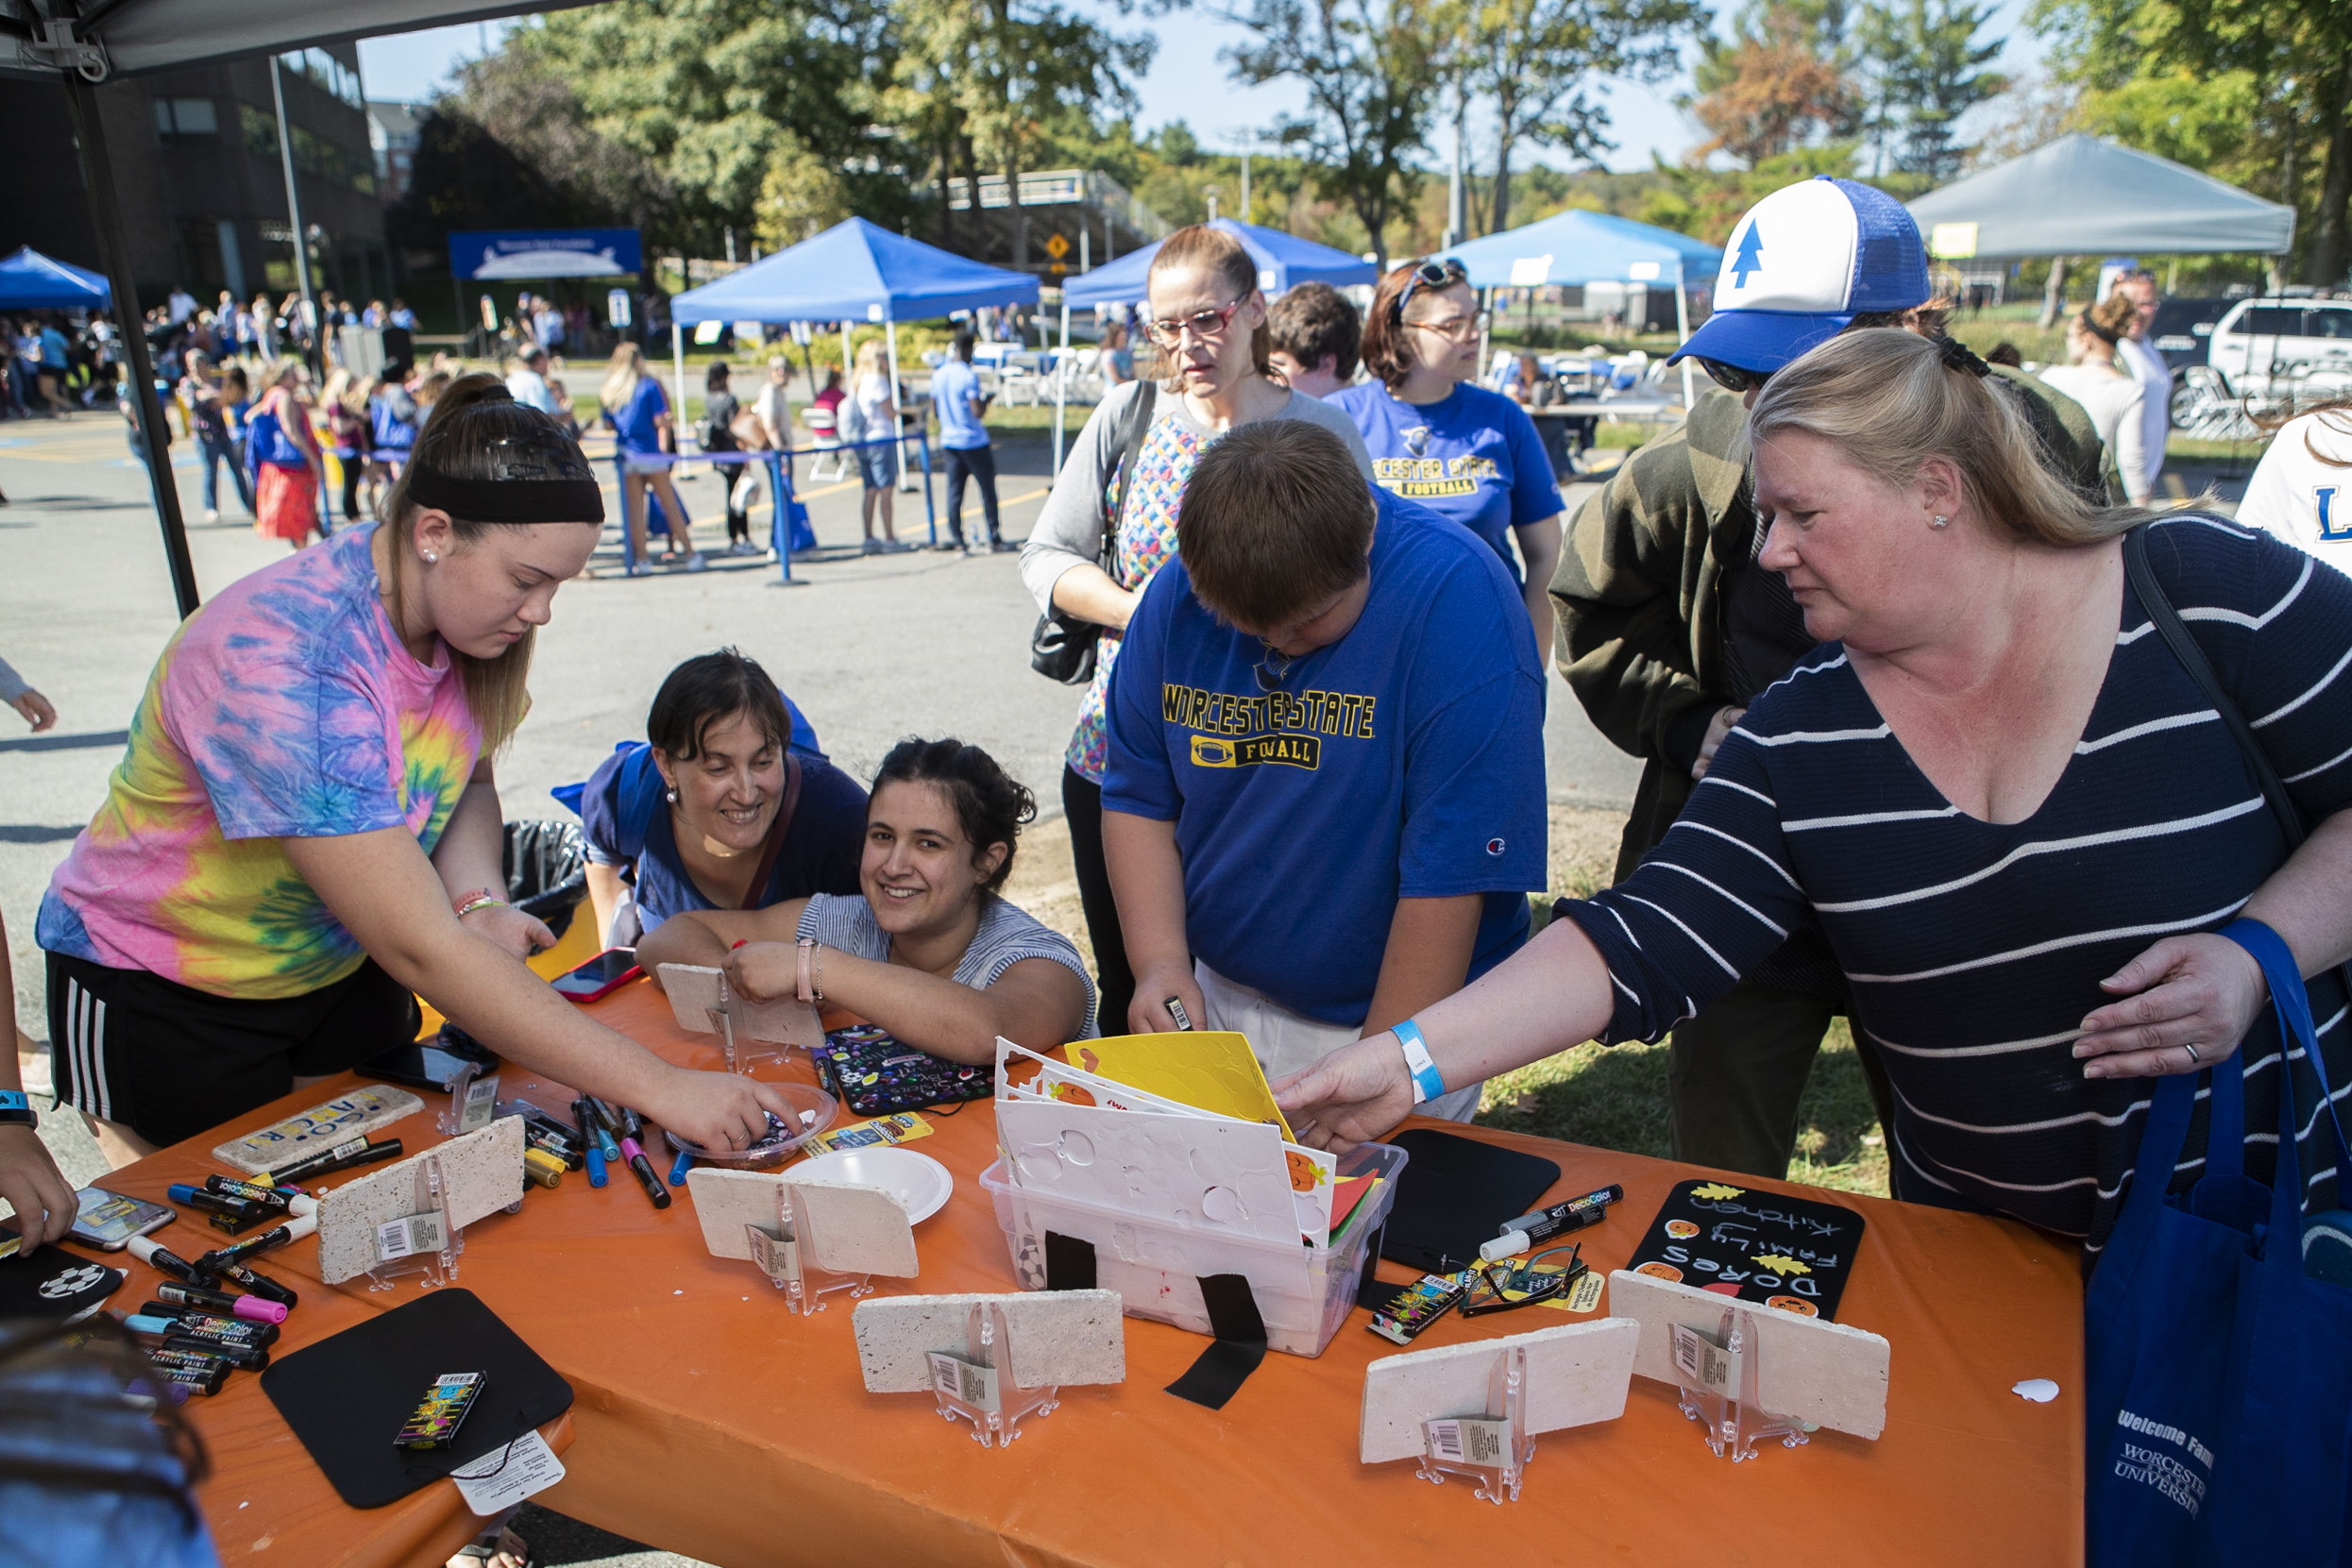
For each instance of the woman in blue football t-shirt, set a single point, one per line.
(1439, 438)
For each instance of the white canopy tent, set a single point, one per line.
(2081, 197)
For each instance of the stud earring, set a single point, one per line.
(672, 796)
(1938, 521)
(429, 557)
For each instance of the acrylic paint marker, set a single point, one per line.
(625, 1122)
(679, 1167)
(221, 1304)
(163, 1391)
(163, 1259)
(602, 1151)
(190, 1371)
(239, 1209)
(163, 1331)
(350, 1152)
(276, 1200)
(235, 1331)
(1544, 1223)
(261, 1285)
(277, 1236)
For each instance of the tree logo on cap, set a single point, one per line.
(1750, 257)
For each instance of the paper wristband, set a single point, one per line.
(1427, 1083)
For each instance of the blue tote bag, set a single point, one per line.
(2220, 1403)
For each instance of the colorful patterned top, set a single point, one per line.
(1070, 525)
(285, 708)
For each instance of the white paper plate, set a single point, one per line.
(918, 1181)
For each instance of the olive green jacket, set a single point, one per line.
(1639, 589)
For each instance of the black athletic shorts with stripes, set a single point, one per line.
(170, 1061)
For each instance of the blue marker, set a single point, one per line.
(678, 1170)
(601, 1149)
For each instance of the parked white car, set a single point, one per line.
(2262, 341)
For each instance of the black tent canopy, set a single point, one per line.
(85, 44)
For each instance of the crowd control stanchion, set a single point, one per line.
(780, 522)
(930, 513)
(628, 541)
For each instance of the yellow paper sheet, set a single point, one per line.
(1214, 1070)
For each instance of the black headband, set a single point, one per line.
(513, 500)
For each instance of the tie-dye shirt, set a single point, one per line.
(285, 708)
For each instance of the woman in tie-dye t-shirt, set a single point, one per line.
(305, 829)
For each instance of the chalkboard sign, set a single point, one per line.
(1785, 1253)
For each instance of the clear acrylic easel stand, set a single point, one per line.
(1735, 1426)
(438, 1266)
(723, 1021)
(988, 1345)
(1497, 1480)
(462, 1086)
(805, 1283)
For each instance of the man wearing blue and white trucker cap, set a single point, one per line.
(1669, 628)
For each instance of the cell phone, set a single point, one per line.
(430, 1064)
(108, 1220)
(601, 976)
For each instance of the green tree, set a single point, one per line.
(1532, 59)
(1928, 70)
(1369, 70)
(2296, 57)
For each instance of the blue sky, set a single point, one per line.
(1187, 81)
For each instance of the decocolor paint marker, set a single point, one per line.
(251, 1308)
(679, 1168)
(261, 1285)
(163, 1259)
(277, 1236)
(276, 1202)
(602, 1151)
(629, 1127)
(251, 1357)
(210, 1326)
(185, 1371)
(541, 1167)
(1544, 1223)
(350, 1152)
(239, 1209)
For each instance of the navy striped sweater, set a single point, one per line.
(1974, 949)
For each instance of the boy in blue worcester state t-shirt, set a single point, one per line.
(1325, 802)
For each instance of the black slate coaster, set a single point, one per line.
(1787, 1252)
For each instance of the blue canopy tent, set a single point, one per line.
(1284, 262)
(1578, 247)
(31, 281)
(853, 271)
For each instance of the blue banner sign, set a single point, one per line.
(534, 253)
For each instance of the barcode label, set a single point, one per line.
(482, 1103)
(967, 1381)
(1466, 1439)
(405, 1237)
(778, 1256)
(1703, 1362)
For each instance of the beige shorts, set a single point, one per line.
(1285, 1041)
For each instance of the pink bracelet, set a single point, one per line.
(483, 899)
(807, 990)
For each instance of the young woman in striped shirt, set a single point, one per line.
(2007, 807)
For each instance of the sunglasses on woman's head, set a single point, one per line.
(1169, 330)
(1430, 274)
(1730, 378)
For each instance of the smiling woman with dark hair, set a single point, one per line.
(726, 804)
(933, 953)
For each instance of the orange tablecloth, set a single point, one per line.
(710, 1421)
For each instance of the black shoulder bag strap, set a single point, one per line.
(1061, 647)
(2177, 637)
(1139, 425)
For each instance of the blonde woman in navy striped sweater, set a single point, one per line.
(2007, 805)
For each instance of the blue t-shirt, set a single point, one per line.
(1405, 760)
(820, 850)
(954, 386)
(635, 424)
(54, 355)
(1474, 457)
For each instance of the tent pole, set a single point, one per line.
(294, 216)
(115, 249)
(677, 375)
(1681, 328)
(898, 426)
(1062, 386)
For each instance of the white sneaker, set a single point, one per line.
(742, 546)
(696, 564)
(872, 546)
(970, 551)
(211, 515)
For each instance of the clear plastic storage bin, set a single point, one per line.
(1303, 1293)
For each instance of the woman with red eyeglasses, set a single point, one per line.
(1439, 438)
(1111, 523)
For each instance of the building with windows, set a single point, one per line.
(392, 132)
(198, 163)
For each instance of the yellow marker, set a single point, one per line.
(541, 1167)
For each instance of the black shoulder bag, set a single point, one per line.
(2176, 636)
(1062, 646)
